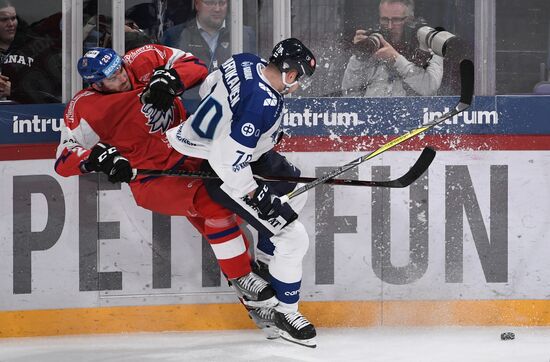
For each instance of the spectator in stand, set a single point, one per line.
(398, 67)
(97, 32)
(29, 60)
(207, 35)
(8, 29)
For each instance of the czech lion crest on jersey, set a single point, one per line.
(157, 119)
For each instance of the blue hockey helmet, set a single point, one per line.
(98, 64)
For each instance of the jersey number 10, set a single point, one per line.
(207, 117)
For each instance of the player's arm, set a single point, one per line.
(143, 61)
(191, 70)
(77, 136)
(74, 158)
(70, 155)
(230, 157)
(171, 72)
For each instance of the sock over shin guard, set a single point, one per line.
(229, 245)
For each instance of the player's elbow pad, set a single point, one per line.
(61, 170)
(67, 166)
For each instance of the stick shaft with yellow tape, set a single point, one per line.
(466, 94)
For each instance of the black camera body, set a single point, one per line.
(417, 34)
(366, 47)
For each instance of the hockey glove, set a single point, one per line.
(269, 206)
(164, 86)
(106, 158)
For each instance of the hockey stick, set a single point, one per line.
(421, 165)
(466, 94)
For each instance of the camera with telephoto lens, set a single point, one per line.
(426, 38)
(416, 33)
(437, 39)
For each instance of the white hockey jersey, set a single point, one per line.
(238, 120)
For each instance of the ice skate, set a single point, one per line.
(264, 318)
(254, 291)
(261, 269)
(294, 327)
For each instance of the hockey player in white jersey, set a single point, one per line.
(235, 128)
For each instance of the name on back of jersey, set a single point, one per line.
(232, 81)
(247, 69)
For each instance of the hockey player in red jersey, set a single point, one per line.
(119, 122)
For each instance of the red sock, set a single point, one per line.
(230, 247)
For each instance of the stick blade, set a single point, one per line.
(466, 82)
(417, 170)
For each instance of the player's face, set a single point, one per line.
(211, 13)
(118, 82)
(8, 24)
(291, 77)
(392, 18)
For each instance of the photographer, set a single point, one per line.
(394, 66)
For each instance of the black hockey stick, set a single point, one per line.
(419, 167)
(466, 94)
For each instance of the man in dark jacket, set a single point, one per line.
(30, 63)
(207, 36)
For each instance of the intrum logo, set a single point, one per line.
(36, 125)
(312, 119)
(466, 117)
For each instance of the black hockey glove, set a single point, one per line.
(269, 206)
(164, 86)
(106, 158)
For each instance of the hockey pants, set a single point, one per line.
(181, 196)
(290, 243)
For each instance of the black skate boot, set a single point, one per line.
(294, 327)
(264, 318)
(254, 291)
(261, 269)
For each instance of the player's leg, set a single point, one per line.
(188, 197)
(290, 246)
(231, 249)
(273, 163)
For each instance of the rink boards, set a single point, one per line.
(465, 245)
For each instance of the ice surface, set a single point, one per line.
(464, 344)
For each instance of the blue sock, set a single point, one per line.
(288, 293)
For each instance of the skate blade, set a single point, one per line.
(311, 343)
(268, 328)
(268, 303)
(271, 332)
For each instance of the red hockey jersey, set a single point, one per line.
(120, 119)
